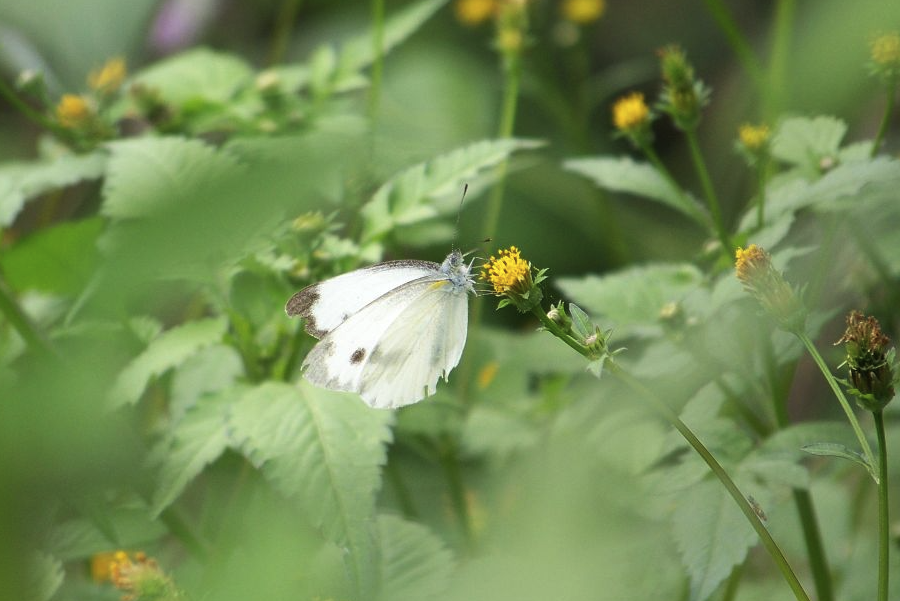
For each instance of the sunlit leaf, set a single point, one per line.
(805, 142)
(197, 75)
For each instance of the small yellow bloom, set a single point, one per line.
(753, 137)
(630, 112)
(487, 374)
(510, 40)
(474, 12)
(509, 272)
(108, 78)
(100, 566)
(140, 577)
(886, 49)
(583, 11)
(73, 111)
(767, 285)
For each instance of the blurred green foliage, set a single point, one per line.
(150, 395)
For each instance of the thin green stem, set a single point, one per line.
(885, 118)
(708, 190)
(761, 181)
(768, 542)
(283, 24)
(26, 110)
(378, 63)
(21, 322)
(774, 99)
(845, 405)
(689, 206)
(884, 522)
(739, 44)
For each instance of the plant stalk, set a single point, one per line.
(708, 191)
(885, 118)
(884, 522)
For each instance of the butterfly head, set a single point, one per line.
(456, 270)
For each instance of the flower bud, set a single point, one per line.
(869, 362)
(767, 285)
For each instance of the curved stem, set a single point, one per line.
(885, 118)
(845, 405)
(774, 99)
(690, 208)
(708, 191)
(884, 522)
(19, 320)
(737, 41)
(281, 36)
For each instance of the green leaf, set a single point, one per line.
(497, 432)
(712, 535)
(622, 174)
(581, 321)
(196, 76)
(633, 298)
(325, 449)
(45, 576)
(20, 182)
(147, 175)
(359, 52)
(833, 449)
(211, 369)
(168, 351)
(197, 440)
(804, 141)
(57, 259)
(415, 564)
(411, 196)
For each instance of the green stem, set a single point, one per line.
(29, 112)
(768, 542)
(708, 191)
(690, 207)
(845, 405)
(782, 35)
(885, 118)
(21, 322)
(761, 181)
(739, 44)
(884, 522)
(378, 63)
(283, 25)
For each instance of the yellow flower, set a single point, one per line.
(487, 374)
(474, 12)
(509, 272)
(630, 113)
(583, 11)
(140, 578)
(767, 285)
(753, 137)
(108, 78)
(886, 49)
(73, 111)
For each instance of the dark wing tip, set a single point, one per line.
(301, 304)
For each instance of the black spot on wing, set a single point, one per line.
(301, 304)
(358, 355)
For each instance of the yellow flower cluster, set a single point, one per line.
(73, 111)
(108, 78)
(583, 11)
(753, 137)
(509, 272)
(630, 112)
(758, 275)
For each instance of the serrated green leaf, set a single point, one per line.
(833, 449)
(211, 369)
(805, 141)
(633, 298)
(197, 440)
(147, 175)
(415, 564)
(712, 535)
(581, 321)
(198, 75)
(622, 174)
(20, 182)
(359, 52)
(57, 259)
(410, 196)
(325, 449)
(169, 350)
(45, 576)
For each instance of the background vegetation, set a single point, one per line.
(156, 219)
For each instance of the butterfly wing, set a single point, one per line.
(328, 304)
(393, 350)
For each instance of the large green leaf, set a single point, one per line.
(58, 259)
(410, 196)
(633, 298)
(326, 450)
(622, 174)
(20, 182)
(197, 440)
(415, 564)
(148, 175)
(165, 352)
(45, 576)
(712, 535)
(805, 142)
(198, 75)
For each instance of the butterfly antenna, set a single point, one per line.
(458, 213)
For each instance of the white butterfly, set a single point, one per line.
(389, 331)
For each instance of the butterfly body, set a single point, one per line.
(387, 332)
